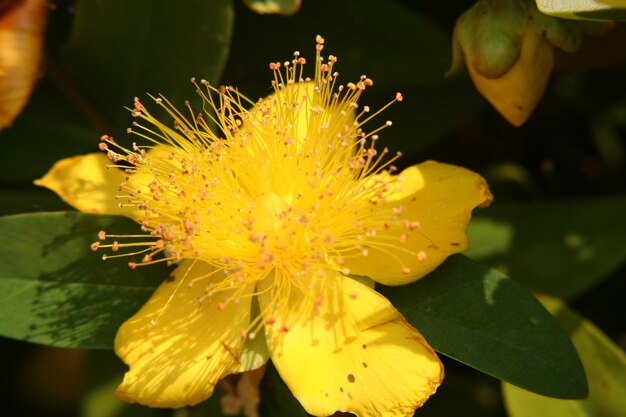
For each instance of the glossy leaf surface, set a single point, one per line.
(55, 291)
(478, 316)
(605, 365)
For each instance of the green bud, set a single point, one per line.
(490, 34)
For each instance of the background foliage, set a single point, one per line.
(557, 225)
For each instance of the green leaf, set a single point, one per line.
(55, 291)
(582, 239)
(284, 7)
(611, 10)
(276, 399)
(479, 317)
(605, 365)
(28, 199)
(121, 49)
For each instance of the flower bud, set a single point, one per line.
(489, 35)
(508, 47)
(516, 93)
(507, 58)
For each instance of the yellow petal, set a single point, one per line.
(516, 94)
(22, 26)
(342, 346)
(309, 110)
(86, 184)
(437, 200)
(181, 342)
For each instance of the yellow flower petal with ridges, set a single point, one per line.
(342, 346)
(433, 204)
(183, 340)
(90, 184)
(86, 184)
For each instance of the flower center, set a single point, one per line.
(284, 191)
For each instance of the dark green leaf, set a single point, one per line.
(30, 199)
(120, 49)
(55, 291)
(604, 362)
(478, 316)
(276, 399)
(560, 248)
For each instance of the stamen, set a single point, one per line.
(283, 189)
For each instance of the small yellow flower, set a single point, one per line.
(267, 211)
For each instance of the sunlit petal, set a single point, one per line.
(86, 183)
(342, 346)
(434, 206)
(183, 340)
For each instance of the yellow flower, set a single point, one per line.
(267, 212)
